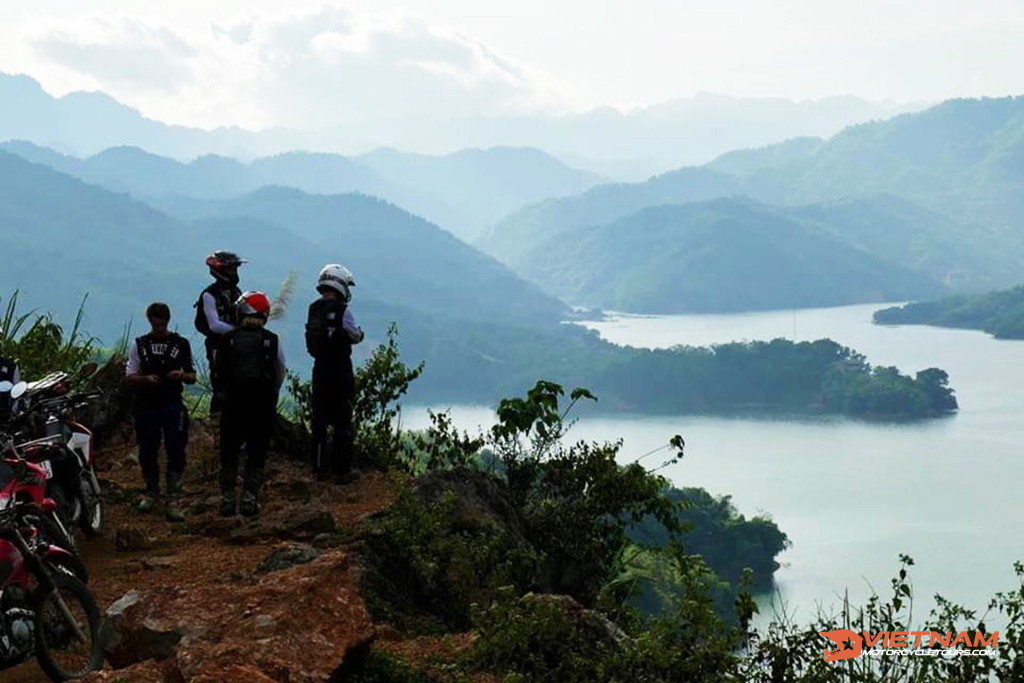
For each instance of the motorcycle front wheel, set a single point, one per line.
(92, 505)
(67, 628)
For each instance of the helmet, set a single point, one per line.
(253, 304)
(336, 277)
(224, 266)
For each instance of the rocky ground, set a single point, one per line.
(274, 599)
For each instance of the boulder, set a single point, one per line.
(134, 632)
(259, 631)
(287, 555)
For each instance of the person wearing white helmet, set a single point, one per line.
(331, 330)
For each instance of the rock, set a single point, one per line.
(129, 635)
(128, 538)
(287, 555)
(300, 523)
(265, 621)
(296, 625)
(158, 563)
(218, 527)
(593, 625)
(299, 490)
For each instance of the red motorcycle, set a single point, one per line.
(44, 609)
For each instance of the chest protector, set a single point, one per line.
(250, 360)
(325, 336)
(224, 298)
(158, 356)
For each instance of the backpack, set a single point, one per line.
(224, 299)
(249, 360)
(323, 324)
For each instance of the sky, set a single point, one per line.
(315, 64)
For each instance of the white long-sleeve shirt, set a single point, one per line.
(217, 326)
(348, 323)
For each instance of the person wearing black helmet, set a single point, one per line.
(331, 330)
(215, 313)
(252, 370)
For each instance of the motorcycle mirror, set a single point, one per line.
(18, 390)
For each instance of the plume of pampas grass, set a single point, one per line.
(284, 297)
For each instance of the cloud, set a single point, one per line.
(318, 68)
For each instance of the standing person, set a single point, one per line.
(215, 314)
(252, 364)
(331, 330)
(159, 364)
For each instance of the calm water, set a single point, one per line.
(853, 495)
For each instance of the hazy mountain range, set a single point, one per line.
(937, 194)
(464, 192)
(631, 145)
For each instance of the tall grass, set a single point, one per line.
(40, 345)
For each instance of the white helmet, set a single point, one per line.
(336, 277)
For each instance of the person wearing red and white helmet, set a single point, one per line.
(331, 330)
(252, 366)
(215, 312)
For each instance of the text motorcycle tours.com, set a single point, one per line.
(909, 644)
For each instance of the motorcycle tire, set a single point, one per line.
(54, 636)
(92, 506)
(65, 510)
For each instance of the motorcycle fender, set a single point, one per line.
(13, 571)
(55, 554)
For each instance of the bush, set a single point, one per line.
(380, 382)
(39, 345)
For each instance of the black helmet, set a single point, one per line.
(224, 266)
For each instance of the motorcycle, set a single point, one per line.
(63, 447)
(44, 609)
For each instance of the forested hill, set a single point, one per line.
(719, 255)
(936, 192)
(1001, 313)
(56, 230)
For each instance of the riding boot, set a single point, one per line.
(174, 490)
(148, 500)
(250, 506)
(227, 492)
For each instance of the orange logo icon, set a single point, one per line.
(840, 638)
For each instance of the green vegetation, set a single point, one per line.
(482, 332)
(525, 547)
(778, 375)
(1001, 314)
(38, 343)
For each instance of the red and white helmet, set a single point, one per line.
(253, 304)
(337, 277)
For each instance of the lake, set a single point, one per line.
(850, 494)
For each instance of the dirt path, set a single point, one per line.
(200, 554)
